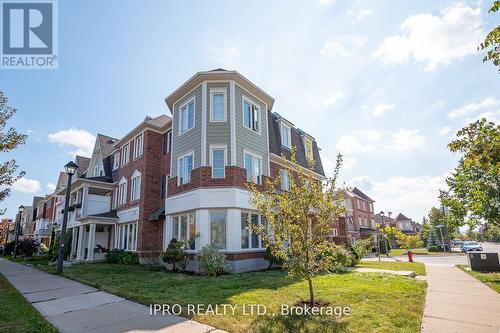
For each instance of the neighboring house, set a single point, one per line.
(25, 222)
(384, 221)
(358, 222)
(225, 135)
(44, 219)
(407, 225)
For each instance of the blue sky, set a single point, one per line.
(386, 83)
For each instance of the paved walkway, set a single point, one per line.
(74, 307)
(457, 302)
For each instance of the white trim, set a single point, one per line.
(135, 175)
(225, 211)
(257, 156)
(289, 136)
(214, 91)
(123, 182)
(116, 165)
(192, 99)
(125, 158)
(191, 153)
(232, 93)
(141, 136)
(203, 161)
(251, 101)
(267, 141)
(218, 147)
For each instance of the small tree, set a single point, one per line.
(174, 253)
(492, 41)
(360, 249)
(432, 241)
(299, 220)
(410, 241)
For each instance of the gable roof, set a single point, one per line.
(401, 217)
(106, 144)
(83, 164)
(360, 194)
(276, 148)
(158, 123)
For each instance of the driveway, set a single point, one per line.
(74, 307)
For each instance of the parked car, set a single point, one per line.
(471, 246)
(457, 242)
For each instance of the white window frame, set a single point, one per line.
(246, 152)
(285, 180)
(185, 104)
(217, 91)
(259, 116)
(122, 191)
(179, 171)
(288, 136)
(125, 154)
(306, 139)
(177, 219)
(124, 231)
(218, 147)
(335, 232)
(261, 244)
(136, 176)
(116, 161)
(169, 141)
(138, 145)
(210, 226)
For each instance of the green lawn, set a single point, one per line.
(17, 314)
(422, 251)
(418, 268)
(378, 302)
(491, 279)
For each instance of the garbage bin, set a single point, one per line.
(481, 261)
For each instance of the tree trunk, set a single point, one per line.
(311, 292)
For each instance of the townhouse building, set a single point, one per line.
(186, 176)
(44, 219)
(26, 218)
(406, 225)
(385, 221)
(358, 221)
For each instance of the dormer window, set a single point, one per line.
(308, 146)
(116, 161)
(251, 119)
(286, 135)
(99, 170)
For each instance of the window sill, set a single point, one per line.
(186, 131)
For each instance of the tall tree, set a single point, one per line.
(9, 140)
(299, 219)
(474, 186)
(492, 41)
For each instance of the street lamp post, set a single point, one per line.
(6, 237)
(70, 170)
(16, 229)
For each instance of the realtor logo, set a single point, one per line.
(29, 35)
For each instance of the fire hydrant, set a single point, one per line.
(410, 256)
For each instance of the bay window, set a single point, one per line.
(253, 168)
(218, 105)
(184, 229)
(186, 117)
(251, 119)
(218, 229)
(249, 238)
(184, 168)
(218, 161)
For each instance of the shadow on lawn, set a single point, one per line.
(268, 324)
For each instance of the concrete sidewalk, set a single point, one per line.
(457, 302)
(74, 307)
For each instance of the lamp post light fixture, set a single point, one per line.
(16, 229)
(70, 169)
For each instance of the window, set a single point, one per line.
(251, 239)
(218, 162)
(285, 180)
(334, 232)
(185, 168)
(218, 105)
(116, 161)
(127, 237)
(184, 229)
(163, 186)
(252, 165)
(125, 154)
(359, 206)
(136, 187)
(99, 170)
(286, 136)
(138, 146)
(167, 142)
(308, 146)
(122, 192)
(250, 116)
(186, 117)
(218, 229)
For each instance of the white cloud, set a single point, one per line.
(26, 185)
(227, 57)
(382, 109)
(51, 187)
(79, 141)
(333, 99)
(445, 130)
(435, 40)
(349, 162)
(360, 15)
(342, 46)
(412, 196)
(373, 141)
(485, 105)
(326, 2)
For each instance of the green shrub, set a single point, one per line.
(433, 248)
(384, 246)
(335, 258)
(273, 260)
(212, 261)
(9, 248)
(360, 249)
(175, 254)
(28, 247)
(117, 256)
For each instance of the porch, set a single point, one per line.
(92, 240)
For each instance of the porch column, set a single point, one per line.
(80, 250)
(74, 243)
(91, 244)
